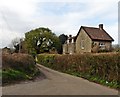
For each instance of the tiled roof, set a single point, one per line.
(97, 33)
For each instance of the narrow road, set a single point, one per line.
(57, 83)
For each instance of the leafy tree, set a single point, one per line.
(41, 40)
(62, 39)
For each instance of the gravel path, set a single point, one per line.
(57, 83)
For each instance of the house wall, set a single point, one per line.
(6, 51)
(69, 48)
(65, 48)
(83, 39)
(84, 43)
(96, 47)
(108, 45)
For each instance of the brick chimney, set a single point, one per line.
(101, 26)
(70, 36)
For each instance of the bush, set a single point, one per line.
(22, 62)
(47, 59)
(33, 53)
(103, 51)
(95, 67)
(118, 50)
(17, 67)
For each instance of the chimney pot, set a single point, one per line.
(101, 26)
(70, 36)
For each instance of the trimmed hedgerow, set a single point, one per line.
(16, 67)
(22, 62)
(100, 68)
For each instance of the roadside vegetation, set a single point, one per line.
(19, 63)
(101, 68)
(18, 67)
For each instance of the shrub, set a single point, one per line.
(102, 51)
(118, 50)
(33, 53)
(22, 62)
(95, 67)
(17, 67)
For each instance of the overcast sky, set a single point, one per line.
(67, 16)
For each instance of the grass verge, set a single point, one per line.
(10, 76)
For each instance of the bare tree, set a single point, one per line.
(16, 44)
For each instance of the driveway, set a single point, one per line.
(57, 83)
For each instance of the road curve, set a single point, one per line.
(57, 83)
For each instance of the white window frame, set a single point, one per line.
(68, 41)
(102, 45)
(72, 40)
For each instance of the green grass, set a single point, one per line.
(12, 75)
(0, 72)
(96, 79)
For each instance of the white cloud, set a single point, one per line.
(23, 8)
(8, 37)
(14, 17)
(113, 31)
(18, 17)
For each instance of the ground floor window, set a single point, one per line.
(102, 45)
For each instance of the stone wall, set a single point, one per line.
(108, 45)
(96, 46)
(65, 48)
(69, 48)
(83, 42)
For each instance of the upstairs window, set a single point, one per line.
(68, 41)
(82, 44)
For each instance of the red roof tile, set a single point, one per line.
(97, 33)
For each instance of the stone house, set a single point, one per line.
(6, 50)
(88, 39)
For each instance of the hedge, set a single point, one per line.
(100, 68)
(18, 66)
(22, 62)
